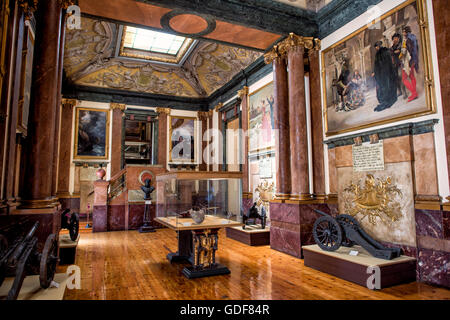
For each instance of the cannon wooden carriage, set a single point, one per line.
(331, 233)
(253, 214)
(22, 257)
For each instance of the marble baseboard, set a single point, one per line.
(100, 219)
(433, 267)
(116, 217)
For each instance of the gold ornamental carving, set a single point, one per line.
(118, 106)
(28, 7)
(218, 107)
(160, 110)
(272, 55)
(71, 102)
(205, 245)
(243, 92)
(293, 41)
(266, 193)
(203, 115)
(66, 3)
(376, 198)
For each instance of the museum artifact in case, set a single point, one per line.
(196, 205)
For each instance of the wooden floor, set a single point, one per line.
(129, 265)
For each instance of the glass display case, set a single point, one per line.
(197, 205)
(185, 196)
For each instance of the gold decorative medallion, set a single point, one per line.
(266, 193)
(376, 198)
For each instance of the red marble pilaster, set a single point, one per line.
(210, 128)
(65, 148)
(441, 11)
(100, 212)
(43, 109)
(116, 139)
(203, 117)
(281, 120)
(162, 135)
(243, 94)
(297, 120)
(316, 123)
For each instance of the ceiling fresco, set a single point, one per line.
(90, 60)
(312, 5)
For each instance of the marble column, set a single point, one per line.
(281, 119)
(294, 47)
(316, 123)
(39, 174)
(116, 141)
(163, 115)
(203, 117)
(65, 150)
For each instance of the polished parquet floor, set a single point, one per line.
(129, 265)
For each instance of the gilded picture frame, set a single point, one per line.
(260, 115)
(188, 126)
(91, 134)
(354, 99)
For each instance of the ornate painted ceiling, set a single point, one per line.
(312, 5)
(91, 60)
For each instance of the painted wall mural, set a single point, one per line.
(379, 74)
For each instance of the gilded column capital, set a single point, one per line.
(273, 54)
(210, 113)
(217, 108)
(66, 3)
(118, 106)
(317, 46)
(243, 92)
(294, 41)
(28, 7)
(71, 102)
(203, 115)
(160, 110)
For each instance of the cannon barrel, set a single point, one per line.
(322, 213)
(24, 243)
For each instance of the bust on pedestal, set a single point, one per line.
(146, 227)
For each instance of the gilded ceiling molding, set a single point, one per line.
(28, 7)
(160, 110)
(203, 115)
(243, 92)
(118, 106)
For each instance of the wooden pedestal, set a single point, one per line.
(67, 249)
(252, 235)
(355, 268)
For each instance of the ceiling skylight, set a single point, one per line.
(148, 40)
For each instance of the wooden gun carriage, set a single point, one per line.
(330, 233)
(22, 257)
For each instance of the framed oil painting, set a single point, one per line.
(182, 139)
(261, 135)
(381, 73)
(91, 133)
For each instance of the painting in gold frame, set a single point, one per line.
(182, 131)
(261, 134)
(368, 83)
(91, 134)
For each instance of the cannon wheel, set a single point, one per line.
(327, 233)
(49, 259)
(74, 226)
(3, 250)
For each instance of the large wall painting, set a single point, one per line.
(261, 133)
(91, 133)
(182, 139)
(381, 73)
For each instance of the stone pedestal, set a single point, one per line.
(100, 212)
(292, 223)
